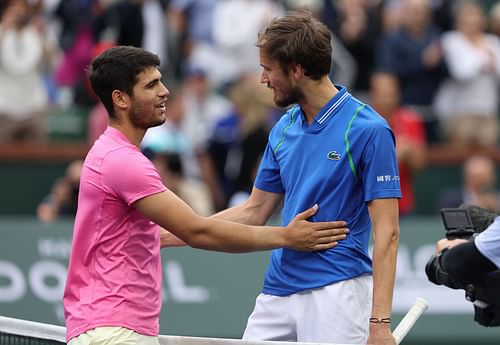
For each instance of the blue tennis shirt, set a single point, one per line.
(343, 159)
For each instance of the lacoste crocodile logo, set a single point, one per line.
(333, 155)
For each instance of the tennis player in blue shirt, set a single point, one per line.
(332, 150)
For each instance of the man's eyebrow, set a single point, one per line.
(153, 82)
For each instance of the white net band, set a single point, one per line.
(36, 330)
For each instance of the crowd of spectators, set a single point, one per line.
(478, 186)
(431, 67)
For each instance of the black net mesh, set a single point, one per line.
(15, 339)
(23, 332)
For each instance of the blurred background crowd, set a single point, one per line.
(430, 67)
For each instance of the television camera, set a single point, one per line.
(466, 222)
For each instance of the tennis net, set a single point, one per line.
(22, 332)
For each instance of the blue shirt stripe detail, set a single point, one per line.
(333, 107)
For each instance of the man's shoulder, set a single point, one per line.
(364, 116)
(115, 154)
(288, 119)
(366, 124)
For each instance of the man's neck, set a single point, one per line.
(316, 94)
(133, 134)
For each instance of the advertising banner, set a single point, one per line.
(211, 294)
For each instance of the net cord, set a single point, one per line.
(47, 331)
(58, 333)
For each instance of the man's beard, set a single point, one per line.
(293, 96)
(143, 118)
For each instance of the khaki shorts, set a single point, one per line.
(113, 335)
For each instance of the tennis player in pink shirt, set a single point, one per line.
(113, 287)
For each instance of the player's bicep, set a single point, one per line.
(384, 215)
(380, 173)
(169, 211)
(130, 176)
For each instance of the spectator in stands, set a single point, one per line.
(359, 30)
(138, 23)
(97, 122)
(344, 69)
(442, 14)
(413, 53)
(76, 42)
(467, 102)
(191, 23)
(478, 186)
(63, 198)
(235, 26)
(202, 108)
(23, 54)
(408, 129)
(98, 116)
(192, 191)
(240, 138)
(443, 11)
(494, 20)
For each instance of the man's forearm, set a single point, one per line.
(239, 214)
(256, 210)
(384, 272)
(167, 239)
(384, 216)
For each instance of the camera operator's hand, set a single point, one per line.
(436, 272)
(445, 243)
(458, 263)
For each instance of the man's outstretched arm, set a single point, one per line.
(170, 212)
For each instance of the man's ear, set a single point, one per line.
(120, 99)
(297, 71)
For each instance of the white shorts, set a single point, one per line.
(337, 313)
(113, 335)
